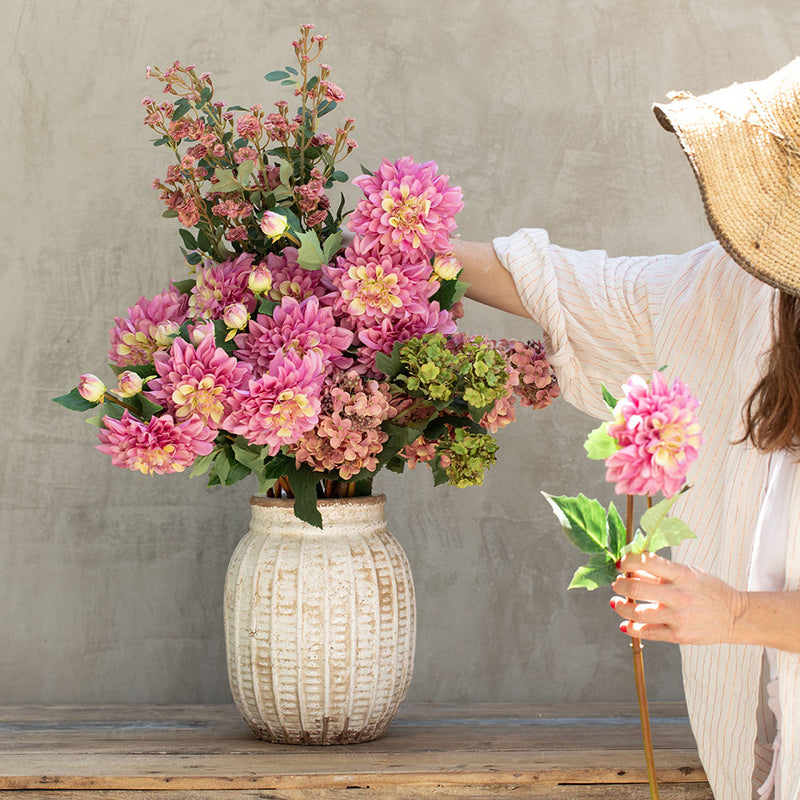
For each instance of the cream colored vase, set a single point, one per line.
(319, 624)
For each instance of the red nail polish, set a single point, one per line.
(613, 602)
(617, 563)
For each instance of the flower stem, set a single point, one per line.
(641, 689)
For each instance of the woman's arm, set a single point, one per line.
(489, 282)
(670, 602)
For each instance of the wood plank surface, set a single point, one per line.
(477, 751)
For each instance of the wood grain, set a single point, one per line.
(488, 750)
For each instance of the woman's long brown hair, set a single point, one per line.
(772, 412)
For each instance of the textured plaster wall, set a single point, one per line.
(110, 582)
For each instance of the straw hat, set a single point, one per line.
(743, 143)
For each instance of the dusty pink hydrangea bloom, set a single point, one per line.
(135, 338)
(196, 380)
(348, 437)
(158, 446)
(280, 406)
(372, 284)
(658, 433)
(302, 327)
(219, 285)
(534, 381)
(420, 451)
(501, 414)
(407, 206)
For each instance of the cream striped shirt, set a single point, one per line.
(710, 322)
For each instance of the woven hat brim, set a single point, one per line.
(748, 176)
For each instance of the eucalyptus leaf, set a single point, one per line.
(276, 75)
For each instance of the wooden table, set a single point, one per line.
(465, 752)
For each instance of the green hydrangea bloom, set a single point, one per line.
(466, 456)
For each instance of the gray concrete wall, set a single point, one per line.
(110, 582)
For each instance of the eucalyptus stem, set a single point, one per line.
(641, 689)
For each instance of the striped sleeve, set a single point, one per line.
(598, 313)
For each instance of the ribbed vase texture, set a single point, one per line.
(319, 624)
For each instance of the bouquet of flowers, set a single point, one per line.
(289, 353)
(648, 447)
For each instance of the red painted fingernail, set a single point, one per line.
(613, 602)
(624, 627)
(617, 563)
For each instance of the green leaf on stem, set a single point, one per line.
(449, 292)
(365, 170)
(188, 240)
(145, 408)
(304, 485)
(286, 172)
(244, 171)
(170, 213)
(326, 107)
(331, 246)
(185, 286)
(205, 94)
(599, 571)
(340, 176)
(227, 181)
(74, 402)
(288, 82)
(671, 532)
(276, 75)
(599, 445)
(309, 254)
(617, 533)
(583, 521)
(609, 398)
(390, 365)
(267, 306)
(202, 464)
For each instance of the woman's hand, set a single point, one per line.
(670, 602)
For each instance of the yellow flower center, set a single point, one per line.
(409, 214)
(199, 397)
(378, 292)
(157, 457)
(289, 407)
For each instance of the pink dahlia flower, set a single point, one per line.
(158, 446)
(196, 380)
(289, 279)
(348, 437)
(407, 206)
(135, 339)
(371, 285)
(280, 406)
(300, 327)
(220, 285)
(381, 338)
(657, 430)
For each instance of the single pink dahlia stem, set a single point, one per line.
(641, 688)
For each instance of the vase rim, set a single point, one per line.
(322, 502)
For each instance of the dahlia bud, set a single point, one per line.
(260, 280)
(199, 332)
(235, 316)
(446, 267)
(91, 388)
(274, 225)
(128, 384)
(165, 332)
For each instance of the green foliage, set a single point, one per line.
(599, 445)
(74, 402)
(609, 399)
(465, 457)
(599, 571)
(309, 254)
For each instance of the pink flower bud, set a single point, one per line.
(260, 280)
(128, 384)
(91, 388)
(446, 267)
(199, 332)
(235, 316)
(274, 225)
(165, 332)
